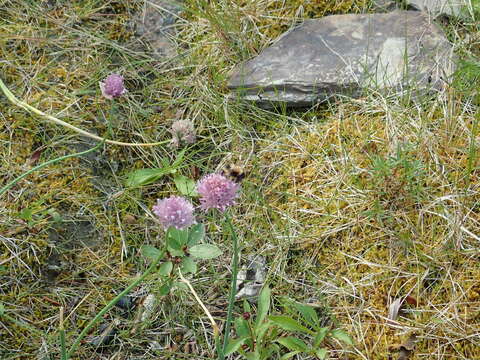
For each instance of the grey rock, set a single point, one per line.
(345, 55)
(441, 7)
(156, 23)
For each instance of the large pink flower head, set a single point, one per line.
(174, 211)
(112, 86)
(217, 192)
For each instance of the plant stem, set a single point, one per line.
(233, 288)
(111, 304)
(53, 119)
(41, 166)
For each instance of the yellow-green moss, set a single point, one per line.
(323, 185)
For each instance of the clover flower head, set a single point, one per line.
(182, 131)
(112, 86)
(217, 192)
(174, 211)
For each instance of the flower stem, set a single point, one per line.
(233, 287)
(53, 119)
(111, 304)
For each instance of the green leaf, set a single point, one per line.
(179, 159)
(2, 309)
(241, 327)
(165, 268)
(290, 355)
(26, 214)
(165, 288)
(165, 162)
(150, 252)
(275, 332)
(246, 306)
(179, 236)
(188, 265)
(321, 353)
(252, 356)
(174, 241)
(267, 352)
(185, 186)
(176, 253)
(342, 336)
(262, 329)
(293, 344)
(289, 324)
(145, 176)
(233, 345)
(196, 234)
(205, 251)
(174, 245)
(308, 314)
(263, 305)
(320, 336)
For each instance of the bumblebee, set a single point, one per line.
(234, 172)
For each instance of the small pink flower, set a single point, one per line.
(174, 211)
(112, 87)
(217, 192)
(182, 131)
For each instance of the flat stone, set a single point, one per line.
(441, 7)
(346, 55)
